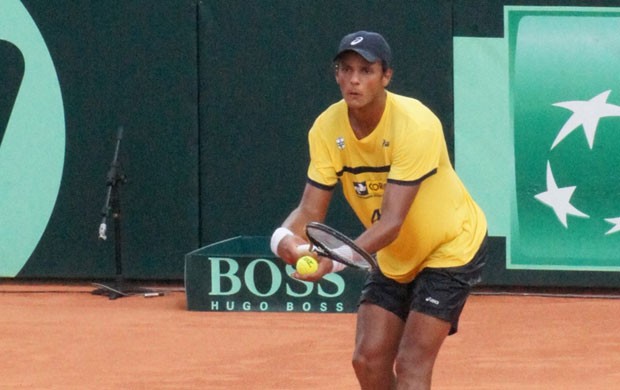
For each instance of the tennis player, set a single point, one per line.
(390, 156)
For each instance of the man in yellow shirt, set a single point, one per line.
(390, 156)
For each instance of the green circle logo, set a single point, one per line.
(32, 147)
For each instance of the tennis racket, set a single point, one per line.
(330, 243)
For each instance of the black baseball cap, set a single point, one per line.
(370, 45)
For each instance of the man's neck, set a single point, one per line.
(365, 120)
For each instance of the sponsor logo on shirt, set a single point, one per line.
(369, 188)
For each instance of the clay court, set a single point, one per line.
(58, 336)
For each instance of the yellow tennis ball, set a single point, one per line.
(306, 265)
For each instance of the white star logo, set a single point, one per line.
(616, 223)
(586, 113)
(559, 199)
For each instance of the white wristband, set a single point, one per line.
(277, 236)
(337, 266)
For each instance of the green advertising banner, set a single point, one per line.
(553, 95)
(241, 274)
(32, 136)
(563, 74)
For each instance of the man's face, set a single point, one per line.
(361, 82)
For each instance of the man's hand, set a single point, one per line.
(325, 267)
(294, 247)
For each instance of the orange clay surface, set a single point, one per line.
(63, 337)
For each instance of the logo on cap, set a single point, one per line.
(356, 41)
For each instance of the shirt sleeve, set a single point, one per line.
(321, 170)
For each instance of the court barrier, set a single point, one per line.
(241, 274)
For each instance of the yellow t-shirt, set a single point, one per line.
(444, 226)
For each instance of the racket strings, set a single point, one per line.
(340, 247)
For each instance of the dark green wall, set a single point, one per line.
(131, 63)
(265, 76)
(216, 98)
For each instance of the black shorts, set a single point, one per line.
(438, 292)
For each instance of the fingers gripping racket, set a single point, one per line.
(330, 243)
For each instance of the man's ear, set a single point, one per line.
(387, 77)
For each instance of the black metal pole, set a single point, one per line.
(118, 249)
(115, 179)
